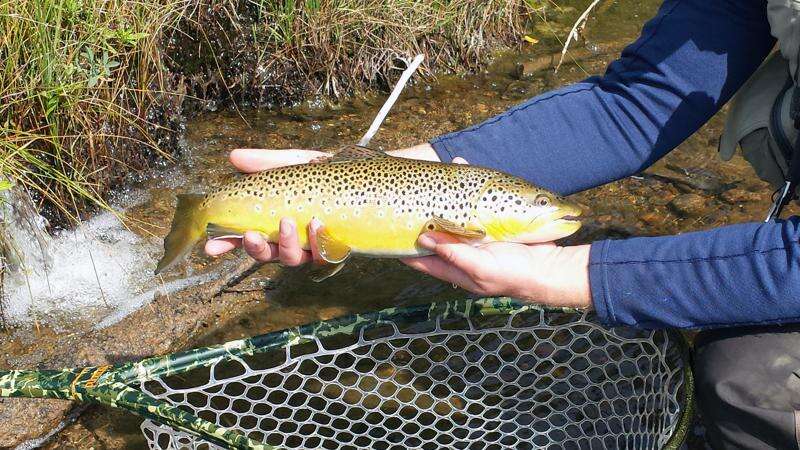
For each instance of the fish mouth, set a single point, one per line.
(564, 222)
(552, 226)
(568, 214)
(569, 218)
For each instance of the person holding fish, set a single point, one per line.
(739, 281)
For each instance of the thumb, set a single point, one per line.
(452, 251)
(249, 160)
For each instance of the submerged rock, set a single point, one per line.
(652, 218)
(735, 196)
(689, 205)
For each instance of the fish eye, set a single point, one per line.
(542, 200)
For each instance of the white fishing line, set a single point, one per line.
(384, 111)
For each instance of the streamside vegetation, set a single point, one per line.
(84, 96)
(92, 90)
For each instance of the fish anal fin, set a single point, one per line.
(322, 271)
(217, 231)
(443, 225)
(331, 249)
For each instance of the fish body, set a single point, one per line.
(375, 205)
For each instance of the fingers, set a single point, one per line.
(216, 247)
(453, 261)
(289, 250)
(258, 248)
(250, 160)
(436, 267)
(453, 251)
(313, 227)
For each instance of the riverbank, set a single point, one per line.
(166, 320)
(272, 298)
(95, 92)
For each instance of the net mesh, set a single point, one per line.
(529, 379)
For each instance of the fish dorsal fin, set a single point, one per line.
(331, 249)
(443, 225)
(322, 271)
(350, 153)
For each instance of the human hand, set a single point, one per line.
(543, 273)
(288, 250)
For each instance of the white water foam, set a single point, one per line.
(98, 272)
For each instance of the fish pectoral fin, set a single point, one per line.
(322, 271)
(442, 225)
(331, 249)
(216, 231)
(349, 153)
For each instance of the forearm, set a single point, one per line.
(689, 60)
(736, 275)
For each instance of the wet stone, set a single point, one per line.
(689, 205)
(696, 178)
(527, 69)
(652, 218)
(737, 196)
(330, 312)
(26, 419)
(664, 197)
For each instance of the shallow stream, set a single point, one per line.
(691, 189)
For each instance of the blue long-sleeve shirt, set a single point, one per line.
(690, 59)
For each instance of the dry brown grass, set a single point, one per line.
(268, 52)
(91, 90)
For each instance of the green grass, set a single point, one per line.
(282, 51)
(77, 82)
(88, 87)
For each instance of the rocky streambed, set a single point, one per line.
(227, 298)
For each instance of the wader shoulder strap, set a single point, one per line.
(789, 190)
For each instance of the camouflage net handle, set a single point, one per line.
(111, 384)
(95, 384)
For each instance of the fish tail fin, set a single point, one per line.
(188, 227)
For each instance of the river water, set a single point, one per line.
(102, 270)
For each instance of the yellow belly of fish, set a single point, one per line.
(368, 231)
(377, 233)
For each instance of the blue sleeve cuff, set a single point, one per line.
(440, 147)
(598, 283)
(745, 274)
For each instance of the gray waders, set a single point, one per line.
(748, 386)
(748, 379)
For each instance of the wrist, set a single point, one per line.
(569, 278)
(422, 151)
(579, 261)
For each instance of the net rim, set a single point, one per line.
(177, 362)
(352, 325)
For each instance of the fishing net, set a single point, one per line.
(467, 375)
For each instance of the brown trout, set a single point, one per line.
(372, 204)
